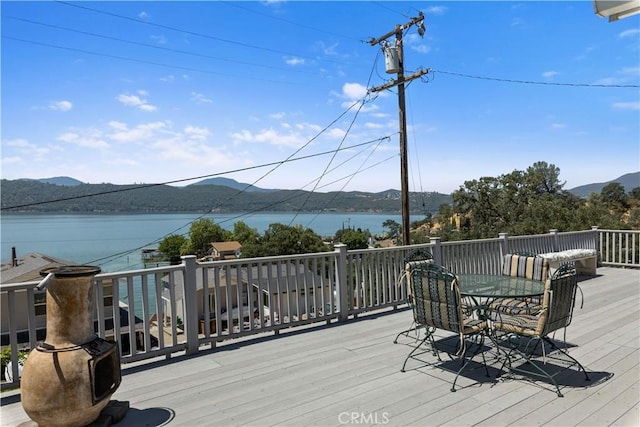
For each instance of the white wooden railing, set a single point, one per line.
(166, 310)
(620, 248)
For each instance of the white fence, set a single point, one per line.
(165, 310)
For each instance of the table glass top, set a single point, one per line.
(489, 285)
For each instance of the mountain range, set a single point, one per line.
(66, 194)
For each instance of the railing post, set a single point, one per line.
(504, 244)
(596, 244)
(342, 287)
(436, 250)
(556, 243)
(596, 235)
(190, 303)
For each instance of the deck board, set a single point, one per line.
(325, 375)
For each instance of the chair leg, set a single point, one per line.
(406, 332)
(527, 356)
(586, 375)
(466, 361)
(428, 337)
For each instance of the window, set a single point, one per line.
(108, 295)
(40, 303)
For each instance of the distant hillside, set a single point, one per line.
(628, 181)
(231, 183)
(61, 180)
(32, 196)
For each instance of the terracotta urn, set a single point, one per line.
(68, 379)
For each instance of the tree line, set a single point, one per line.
(532, 201)
(31, 196)
(526, 202)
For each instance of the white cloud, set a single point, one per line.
(624, 75)
(194, 132)
(634, 32)
(87, 138)
(18, 143)
(294, 61)
(634, 105)
(117, 125)
(549, 74)
(199, 98)
(335, 133)
(435, 10)
(140, 133)
(417, 43)
(271, 137)
(370, 125)
(168, 78)
(61, 105)
(147, 107)
(136, 101)
(329, 50)
(558, 126)
(278, 116)
(353, 91)
(143, 15)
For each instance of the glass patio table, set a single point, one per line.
(493, 286)
(483, 289)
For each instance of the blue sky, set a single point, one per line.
(147, 92)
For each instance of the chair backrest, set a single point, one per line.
(436, 298)
(416, 259)
(559, 300)
(529, 267)
(563, 287)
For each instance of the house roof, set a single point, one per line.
(286, 272)
(226, 246)
(28, 267)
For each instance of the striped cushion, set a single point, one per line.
(530, 306)
(521, 324)
(530, 267)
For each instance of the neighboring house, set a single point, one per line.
(26, 269)
(287, 290)
(225, 250)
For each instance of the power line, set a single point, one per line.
(246, 214)
(348, 181)
(277, 18)
(181, 30)
(141, 61)
(138, 187)
(163, 48)
(534, 82)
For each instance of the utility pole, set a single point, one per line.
(399, 82)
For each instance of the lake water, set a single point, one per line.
(114, 242)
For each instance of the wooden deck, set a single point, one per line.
(349, 374)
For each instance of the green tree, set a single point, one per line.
(394, 229)
(171, 246)
(280, 239)
(244, 234)
(520, 202)
(202, 233)
(635, 193)
(614, 195)
(544, 178)
(354, 239)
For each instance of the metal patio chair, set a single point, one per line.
(418, 258)
(557, 311)
(437, 304)
(528, 266)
